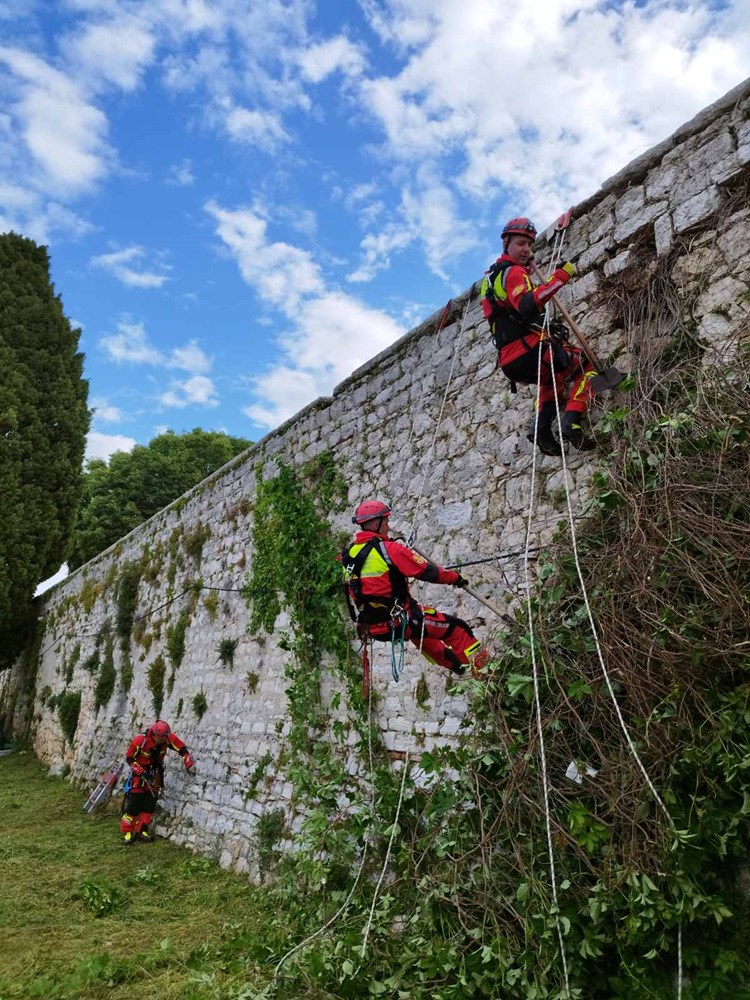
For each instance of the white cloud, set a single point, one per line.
(63, 132)
(104, 411)
(103, 445)
(131, 344)
(117, 50)
(256, 128)
(282, 274)
(338, 53)
(119, 264)
(190, 358)
(181, 174)
(197, 390)
(332, 333)
(530, 123)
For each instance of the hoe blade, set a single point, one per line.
(608, 378)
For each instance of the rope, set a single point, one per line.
(600, 656)
(537, 698)
(394, 825)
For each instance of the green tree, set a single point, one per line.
(43, 423)
(121, 494)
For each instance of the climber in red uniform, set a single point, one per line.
(514, 309)
(376, 569)
(145, 756)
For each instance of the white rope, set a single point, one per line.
(427, 458)
(394, 825)
(535, 674)
(594, 632)
(360, 869)
(600, 656)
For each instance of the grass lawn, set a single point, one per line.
(84, 916)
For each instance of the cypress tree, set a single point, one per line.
(43, 423)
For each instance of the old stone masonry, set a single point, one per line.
(684, 202)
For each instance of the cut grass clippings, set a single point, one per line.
(83, 916)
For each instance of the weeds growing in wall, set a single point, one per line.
(68, 710)
(127, 602)
(105, 682)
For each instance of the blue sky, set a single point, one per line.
(246, 199)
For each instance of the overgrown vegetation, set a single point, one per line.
(200, 705)
(127, 602)
(176, 638)
(665, 551)
(226, 650)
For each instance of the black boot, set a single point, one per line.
(572, 430)
(546, 441)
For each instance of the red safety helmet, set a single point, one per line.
(519, 227)
(370, 510)
(159, 731)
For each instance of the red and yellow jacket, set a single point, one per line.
(146, 760)
(376, 570)
(513, 306)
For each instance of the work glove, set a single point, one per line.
(136, 768)
(566, 272)
(460, 581)
(190, 764)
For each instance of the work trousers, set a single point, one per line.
(442, 639)
(519, 362)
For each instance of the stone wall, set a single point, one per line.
(464, 481)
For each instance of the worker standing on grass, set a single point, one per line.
(514, 309)
(145, 756)
(376, 569)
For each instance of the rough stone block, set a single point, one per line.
(696, 209)
(639, 219)
(618, 263)
(663, 234)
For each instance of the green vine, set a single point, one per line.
(176, 639)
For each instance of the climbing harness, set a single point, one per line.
(398, 617)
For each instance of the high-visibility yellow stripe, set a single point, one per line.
(374, 565)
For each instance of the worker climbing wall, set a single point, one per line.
(431, 426)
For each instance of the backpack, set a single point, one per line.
(505, 325)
